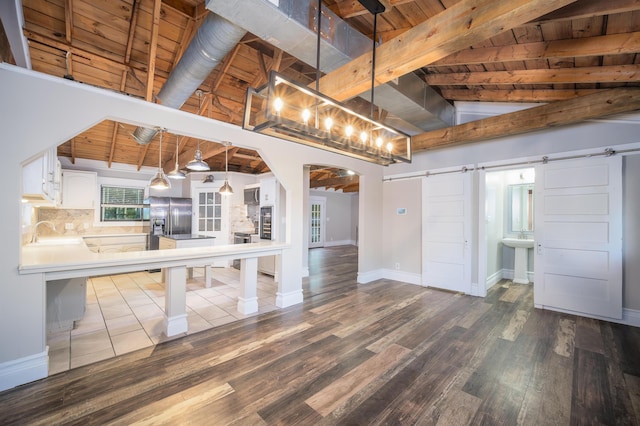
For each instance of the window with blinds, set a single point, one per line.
(119, 203)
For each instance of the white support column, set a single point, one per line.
(175, 314)
(248, 299)
(208, 275)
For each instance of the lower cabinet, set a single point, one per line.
(66, 303)
(267, 265)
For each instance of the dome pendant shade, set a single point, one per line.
(197, 165)
(176, 173)
(160, 181)
(226, 189)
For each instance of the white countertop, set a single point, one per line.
(71, 258)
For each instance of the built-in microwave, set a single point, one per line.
(252, 195)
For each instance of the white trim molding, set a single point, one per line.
(284, 300)
(370, 276)
(24, 370)
(405, 277)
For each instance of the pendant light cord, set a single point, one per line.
(373, 63)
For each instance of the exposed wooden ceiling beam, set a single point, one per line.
(614, 44)
(81, 54)
(555, 114)
(336, 181)
(351, 8)
(514, 95)
(457, 27)
(68, 20)
(153, 48)
(589, 9)
(610, 74)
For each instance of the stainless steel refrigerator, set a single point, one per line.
(168, 216)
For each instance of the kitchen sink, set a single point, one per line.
(64, 241)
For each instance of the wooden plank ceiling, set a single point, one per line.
(131, 46)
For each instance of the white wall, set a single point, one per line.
(339, 226)
(494, 224)
(65, 109)
(594, 135)
(402, 233)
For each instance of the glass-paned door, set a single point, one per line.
(316, 232)
(209, 212)
(211, 216)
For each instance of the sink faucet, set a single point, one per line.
(522, 235)
(34, 238)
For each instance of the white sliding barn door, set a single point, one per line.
(446, 228)
(578, 233)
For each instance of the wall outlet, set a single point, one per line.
(68, 226)
(397, 266)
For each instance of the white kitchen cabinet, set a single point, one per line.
(268, 191)
(66, 303)
(79, 189)
(41, 179)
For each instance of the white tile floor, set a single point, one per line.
(125, 313)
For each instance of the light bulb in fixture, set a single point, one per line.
(379, 142)
(328, 123)
(364, 137)
(389, 146)
(306, 114)
(348, 130)
(277, 105)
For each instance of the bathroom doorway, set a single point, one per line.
(506, 226)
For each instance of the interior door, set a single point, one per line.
(578, 233)
(210, 216)
(446, 230)
(317, 222)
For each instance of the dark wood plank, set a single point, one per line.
(384, 353)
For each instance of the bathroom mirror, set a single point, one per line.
(520, 198)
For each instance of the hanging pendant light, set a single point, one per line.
(197, 164)
(176, 173)
(226, 188)
(160, 181)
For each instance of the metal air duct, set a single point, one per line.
(414, 107)
(211, 43)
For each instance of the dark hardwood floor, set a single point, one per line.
(381, 353)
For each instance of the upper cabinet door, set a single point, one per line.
(578, 236)
(79, 189)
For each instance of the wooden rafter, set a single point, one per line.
(68, 20)
(606, 102)
(454, 29)
(123, 80)
(581, 47)
(514, 95)
(612, 74)
(226, 63)
(335, 181)
(588, 9)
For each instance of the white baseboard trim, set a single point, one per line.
(247, 306)
(405, 277)
(339, 243)
(370, 276)
(175, 325)
(284, 300)
(630, 317)
(507, 274)
(24, 370)
(495, 278)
